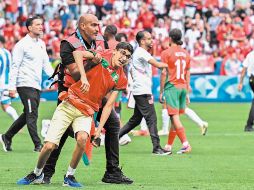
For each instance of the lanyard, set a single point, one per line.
(82, 40)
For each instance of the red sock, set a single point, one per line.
(181, 134)
(171, 136)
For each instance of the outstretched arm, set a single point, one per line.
(157, 63)
(105, 113)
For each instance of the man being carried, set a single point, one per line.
(79, 104)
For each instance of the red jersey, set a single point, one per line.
(102, 79)
(11, 6)
(112, 44)
(99, 2)
(147, 18)
(178, 61)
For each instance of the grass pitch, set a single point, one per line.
(221, 160)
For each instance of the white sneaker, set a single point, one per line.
(162, 132)
(204, 128)
(45, 124)
(102, 139)
(124, 140)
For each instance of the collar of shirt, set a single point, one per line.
(87, 45)
(32, 39)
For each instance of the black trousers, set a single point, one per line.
(251, 113)
(112, 127)
(144, 107)
(30, 98)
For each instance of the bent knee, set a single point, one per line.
(48, 146)
(81, 138)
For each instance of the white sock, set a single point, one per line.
(186, 143)
(12, 112)
(165, 120)
(70, 171)
(143, 125)
(37, 171)
(194, 117)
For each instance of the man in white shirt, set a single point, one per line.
(248, 66)
(29, 59)
(192, 36)
(142, 91)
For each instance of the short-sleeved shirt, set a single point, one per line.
(66, 50)
(141, 71)
(178, 61)
(249, 64)
(102, 79)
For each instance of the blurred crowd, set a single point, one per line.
(223, 29)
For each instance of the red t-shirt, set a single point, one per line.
(55, 25)
(56, 45)
(148, 19)
(214, 3)
(102, 79)
(112, 44)
(222, 31)
(99, 2)
(8, 31)
(11, 6)
(178, 61)
(238, 33)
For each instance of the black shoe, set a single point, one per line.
(248, 129)
(38, 148)
(116, 177)
(6, 143)
(161, 152)
(46, 180)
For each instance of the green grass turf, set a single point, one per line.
(221, 160)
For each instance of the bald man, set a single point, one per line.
(86, 37)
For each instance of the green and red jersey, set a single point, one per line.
(178, 61)
(102, 79)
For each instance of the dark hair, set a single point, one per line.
(2, 39)
(140, 35)
(121, 35)
(30, 20)
(125, 46)
(111, 29)
(176, 36)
